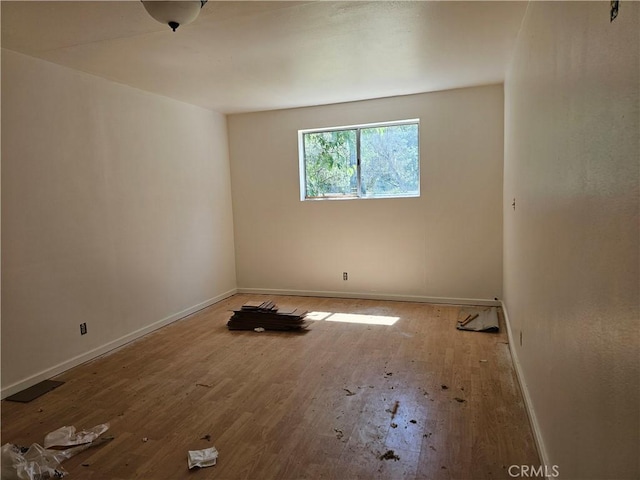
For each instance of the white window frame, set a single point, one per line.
(358, 195)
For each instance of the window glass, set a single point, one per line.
(363, 161)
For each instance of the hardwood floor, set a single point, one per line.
(295, 405)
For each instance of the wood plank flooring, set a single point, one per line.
(296, 405)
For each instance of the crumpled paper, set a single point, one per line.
(203, 458)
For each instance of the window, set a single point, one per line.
(362, 161)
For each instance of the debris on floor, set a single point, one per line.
(202, 458)
(413, 421)
(204, 385)
(207, 437)
(470, 318)
(349, 392)
(394, 410)
(339, 433)
(67, 436)
(258, 329)
(38, 463)
(34, 391)
(459, 400)
(267, 315)
(444, 387)
(394, 425)
(33, 464)
(389, 455)
(479, 319)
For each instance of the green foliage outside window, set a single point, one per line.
(389, 162)
(330, 163)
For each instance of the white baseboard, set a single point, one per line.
(96, 352)
(373, 296)
(533, 420)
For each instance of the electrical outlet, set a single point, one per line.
(345, 276)
(83, 328)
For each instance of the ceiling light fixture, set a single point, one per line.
(174, 13)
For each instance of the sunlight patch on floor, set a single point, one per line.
(352, 318)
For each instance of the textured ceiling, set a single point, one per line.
(249, 56)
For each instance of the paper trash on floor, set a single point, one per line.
(202, 458)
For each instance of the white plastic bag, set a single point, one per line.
(66, 436)
(35, 464)
(39, 463)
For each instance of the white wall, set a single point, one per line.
(116, 211)
(571, 274)
(445, 244)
